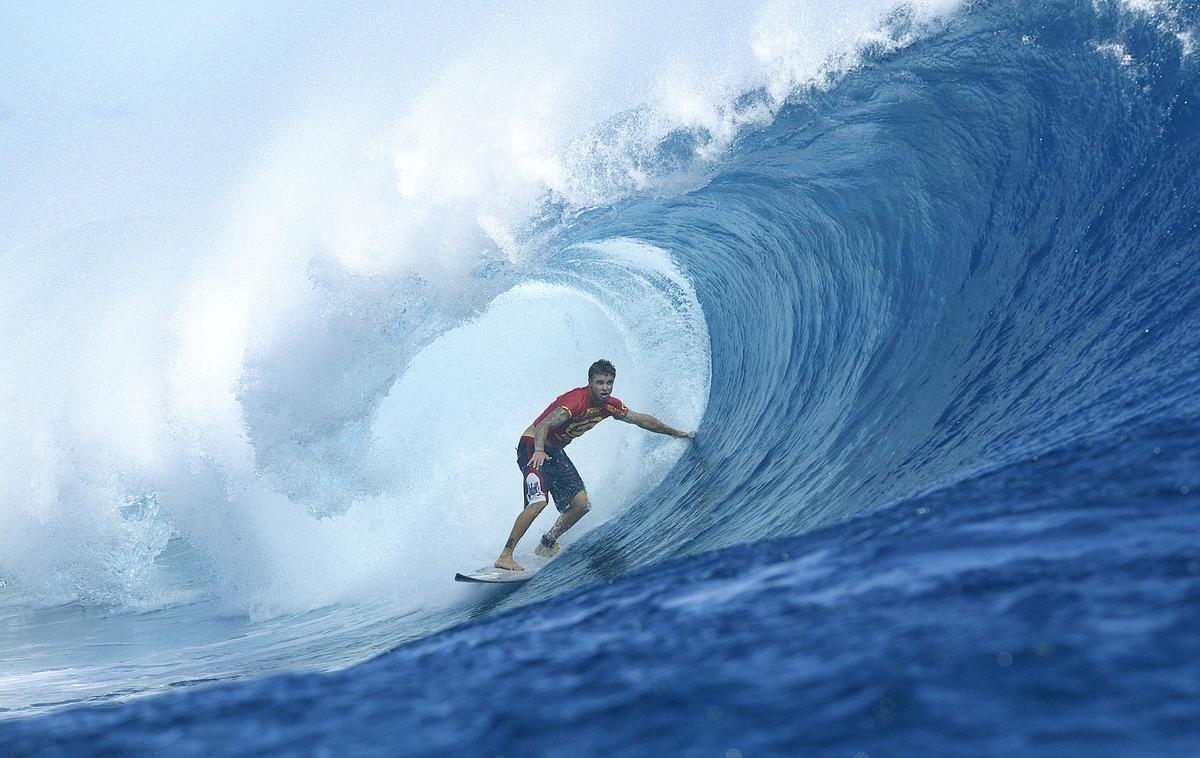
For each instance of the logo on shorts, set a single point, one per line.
(533, 489)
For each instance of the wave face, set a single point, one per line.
(965, 254)
(968, 252)
(938, 321)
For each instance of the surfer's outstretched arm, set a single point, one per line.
(651, 424)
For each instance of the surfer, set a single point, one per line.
(544, 463)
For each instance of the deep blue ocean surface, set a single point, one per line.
(945, 493)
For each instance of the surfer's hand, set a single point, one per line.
(539, 457)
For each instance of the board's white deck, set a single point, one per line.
(493, 575)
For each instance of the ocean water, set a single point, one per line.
(923, 276)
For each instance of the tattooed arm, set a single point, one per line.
(556, 417)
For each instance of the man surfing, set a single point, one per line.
(547, 469)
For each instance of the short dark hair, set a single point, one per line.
(601, 367)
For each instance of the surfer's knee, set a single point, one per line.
(581, 504)
(536, 507)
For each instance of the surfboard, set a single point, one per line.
(493, 575)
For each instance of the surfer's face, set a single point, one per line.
(601, 387)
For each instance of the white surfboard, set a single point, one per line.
(493, 575)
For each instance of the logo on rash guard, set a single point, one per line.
(533, 489)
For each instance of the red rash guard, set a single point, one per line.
(584, 415)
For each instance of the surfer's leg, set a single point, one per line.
(526, 517)
(579, 506)
(534, 494)
(567, 489)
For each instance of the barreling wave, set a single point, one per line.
(227, 384)
(968, 253)
(910, 253)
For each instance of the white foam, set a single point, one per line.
(1166, 18)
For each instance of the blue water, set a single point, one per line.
(944, 495)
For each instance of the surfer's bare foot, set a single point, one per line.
(507, 562)
(547, 551)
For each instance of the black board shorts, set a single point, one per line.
(556, 476)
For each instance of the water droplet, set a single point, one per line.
(922, 511)
(1004, 659)
(1184, 490)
